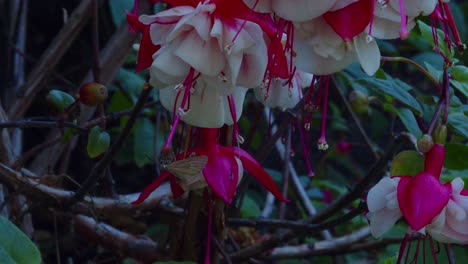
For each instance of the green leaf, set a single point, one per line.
(407, 163)
(458, 123)
(249, 208)
(390, 88)
(459, 79)
(15, 246)
(456, 155)
(426, 33)
(406, 117)
(143, 142)
(60, 99)
(118, 10)
(98, 142)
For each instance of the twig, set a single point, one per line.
(111, 59)
(99, 168)
(299, 225)
(33, 151)
(221, 249)
(306, 249)
(341, 202)
(141, 248)
(40, 124)
(95, 41)
(299, 189)
(411, 62)
(50, 58)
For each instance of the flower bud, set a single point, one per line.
(440, 134)
(425, 143)
(93, 94)
(359, 102)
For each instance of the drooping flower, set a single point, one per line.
(426, 204)
(321, 51)
(222, 171)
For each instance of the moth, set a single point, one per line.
(188, 171)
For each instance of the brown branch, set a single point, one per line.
(321, 246)
(298, 225)
(57, 198)
(50, 58)
(40, 124)
(124, 244)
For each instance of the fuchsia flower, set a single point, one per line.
(327, 44)
(426, 204)
(222, 171)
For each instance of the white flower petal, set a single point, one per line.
(376, 197)
(382, 221)
(368, 53)
(414, 8)
(301, 10)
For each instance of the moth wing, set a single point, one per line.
(191, 166)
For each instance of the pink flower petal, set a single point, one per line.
(257, 171)
(351, 20)
(150, 188)
(435, 160)
(422, 198)
(146, 51)
(176, 189)
(222, 175)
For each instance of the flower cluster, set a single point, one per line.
(201, 53)
(426, 204)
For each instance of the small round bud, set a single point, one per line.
(359, 102)
(93, 94)
(440, 134)
(425, 143)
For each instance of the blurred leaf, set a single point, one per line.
(406, 117)
(15, 246)
(458, 123)
(250, 208)
(130, 81)
(143, 142)
(456, 156)
(407, 163)
(98, 142)
(119, 102)
(389, 87)
(118, 10)
(433, 71)
(60, 99)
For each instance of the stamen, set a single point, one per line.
(188, 84)
(404, 33)
(322, 142)
(305, 149)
